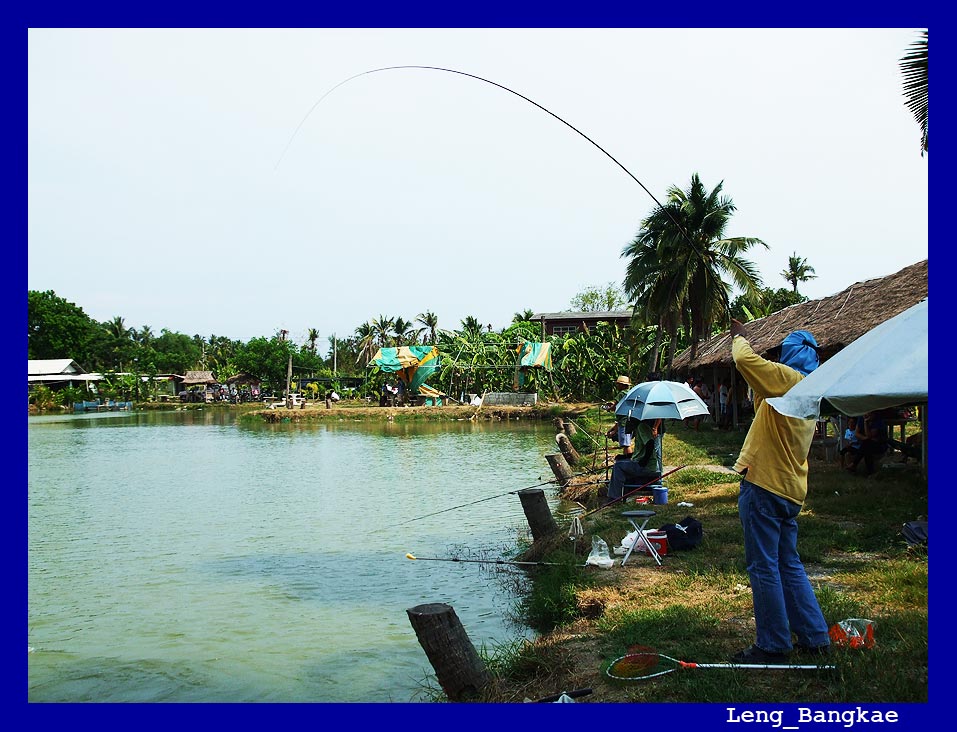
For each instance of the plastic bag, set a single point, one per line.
(629, 539)
(599, 554)
(853, 633)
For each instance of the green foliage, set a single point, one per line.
(57, 328)
(552, 597)
(173, 353)
(44, 399)
(764, 302)
(599, 298)
(914, 70)
(70, 395)
(266, 359)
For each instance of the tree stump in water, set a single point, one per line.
(539, 516)
(568, 450)
(560, 467)
(458, 667)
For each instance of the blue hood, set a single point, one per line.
(798, 350)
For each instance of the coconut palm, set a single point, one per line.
(914, 69)
(382, 327)
(678, 260)
(144, 336)
(429, 331)
(471, 327)
(365, 342)
(117, 328)
(798, 271)
(523, 316)
(404, 331)
(312, 336)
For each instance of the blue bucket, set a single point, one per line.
(660, 494)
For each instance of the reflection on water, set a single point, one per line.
(180, 556)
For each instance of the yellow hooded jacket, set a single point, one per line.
(776, 447)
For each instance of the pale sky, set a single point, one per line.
(155, 194)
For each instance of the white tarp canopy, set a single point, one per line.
(885, 367)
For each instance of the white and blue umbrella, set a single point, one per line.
(661, 400)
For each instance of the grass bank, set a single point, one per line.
(698, 606)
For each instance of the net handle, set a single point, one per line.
(785, 666)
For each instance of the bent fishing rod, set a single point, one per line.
(680, 228)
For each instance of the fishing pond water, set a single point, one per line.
(183, 556)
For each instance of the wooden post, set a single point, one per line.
(560, 467)
(458, 667)
(568, 450)
(540, 518)
(570, 429)
(559, 424)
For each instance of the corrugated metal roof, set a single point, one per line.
(53, 366)
(572, 315)
(53, 378)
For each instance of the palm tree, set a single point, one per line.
(430, 326)
(678, 259)
(914, 69)
(120, 346)
(382, 326)
(312, 336)
(523, 316)
(144, 336)
(404, 330)
(117, 328)
(365, 342)
(798, 271)
(471, 327)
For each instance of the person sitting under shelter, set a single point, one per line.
(851, 443)
(909, 448)
(872, 433)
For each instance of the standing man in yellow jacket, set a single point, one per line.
(773, 466)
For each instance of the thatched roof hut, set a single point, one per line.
(198, 377)
(835, 321)
(243, 379)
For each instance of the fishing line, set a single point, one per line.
(490, 561)
(510, 91)
(472, 503)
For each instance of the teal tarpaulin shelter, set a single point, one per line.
(413, 364)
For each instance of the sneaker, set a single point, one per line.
(824, 650)
(758, 655)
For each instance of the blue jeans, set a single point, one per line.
(783, 598)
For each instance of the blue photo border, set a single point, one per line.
(742, 14)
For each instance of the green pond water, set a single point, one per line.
(184, 557)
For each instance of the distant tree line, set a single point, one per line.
(681, 270)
